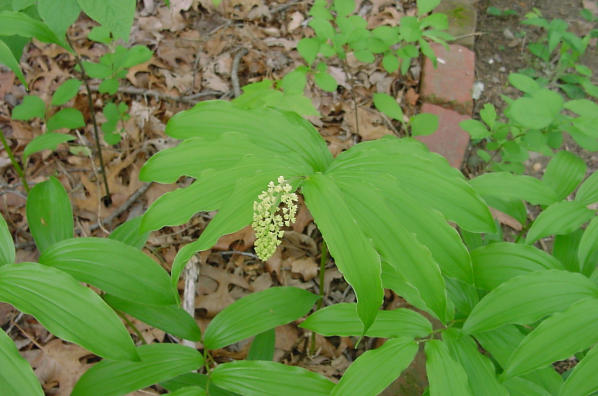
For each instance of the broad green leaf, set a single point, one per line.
(475, 128)
(425, 6)
(8, 59)
(342, 320)
(527, 298)
(388, 105)
(583, 380)
(114, 267)
(354, 256)
(522, 387)
(158, 362)
(49, 224)
(308, 48)
(31, 107)
(559, 218)
(325, 81)
(446, 376)
(557, 338)
(58, 18)
(480, 370)
(259, 378)
(563, 173)
(101, 34)
(21, 24)
(66, 118)
(496, 263)
(390, 63)
(537, 111)
(344, 7)
(262, 346)
(97, 70)
(588, 191)
(375, 369)
(488, 115)
(135, 55)
(423, 124)
(170, 318)
(189, 391)
(294, 82)
(587, 252)
(509, 187)
(523, 83)
(564, 249)
(116, 15)
(47, 141)
(109, 86)
(66, 308)
(410, 29)
(66, 91)
(16, 376)
(425, 177)
(130, 233)
(397, 245)
(256, 313)
(7, 246)
(195, 379)
(322, 28)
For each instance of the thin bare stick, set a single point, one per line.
(121, 209)
(189, 99)
(14, 162)
(191, 276)
(107, 199)
(234, 75)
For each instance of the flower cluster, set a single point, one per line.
(269, 217)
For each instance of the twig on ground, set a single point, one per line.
(190, 99)
(234, 75)
(240, 252)
(140, 191)
(283, 7)
(191, 275)
(455, 38)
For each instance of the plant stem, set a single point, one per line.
(107, 198)
(323, 261)
(132, 326)
(14, 162)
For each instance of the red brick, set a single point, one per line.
(451, 82)
(449, 140)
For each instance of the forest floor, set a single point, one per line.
(195, 46)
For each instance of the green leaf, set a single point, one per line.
(114, 267)
(262, 346)
(390, 63)
(488, 115)
(423, 124)
(425, 6)
(66, 118)
(480, 370)
(523, 83)
(8, 59)
(101, 34)
(375, 369)
(521, 387)
(97, 70)
(563, 173)
(364, 55)
(258, 378)
(354, 255)
(537, 111)
(47, 141)
(325, 81)
(294, 82)
(582, 381)
(527, 298)
(565, 248)
(587, 252)
(134, 56)
(21, 24)
(66, 91)
(559, 218)
(410, 30)
(557, 338)
(116, 15)
(31, 107)
(496, 263)
(158, 362)
(388, 105)
(510, 187)
(588, 191)
(58, 18)
(475, 128)
(342, 320)
(16, 376)
(7, 246)
(49, 224)
(322, 28)
(170, 318)
(308, 48)
(446, 376)
(256, 313)
(129, 232)
(194, 379)
(344, 7)
(189, 391)
(66, 308)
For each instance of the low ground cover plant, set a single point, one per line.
(491, 311)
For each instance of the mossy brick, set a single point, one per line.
(462, 17)
(449, 140)
(451, 82)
